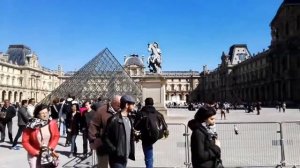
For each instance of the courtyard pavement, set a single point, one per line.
(257, 144)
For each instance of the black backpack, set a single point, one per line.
(155, 126)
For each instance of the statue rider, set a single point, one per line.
(154, 60)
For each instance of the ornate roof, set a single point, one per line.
(17, 53)
(134, 60)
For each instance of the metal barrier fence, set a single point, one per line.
(257, 144)
(291, 143)
(169, 152)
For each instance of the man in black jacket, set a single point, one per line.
(149, 111)
(118, 135)
(23, 117)
(7, 113)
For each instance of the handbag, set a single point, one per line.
(49, 158)
(218, 163)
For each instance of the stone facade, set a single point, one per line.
(21, 76)
(270, 76)
(178, 86)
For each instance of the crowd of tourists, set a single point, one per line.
(110, 127)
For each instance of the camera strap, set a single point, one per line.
(42, 138)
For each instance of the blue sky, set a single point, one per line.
(191, 33)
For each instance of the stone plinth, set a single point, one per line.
(154, 86)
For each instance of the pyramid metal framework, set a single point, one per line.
(102, 76)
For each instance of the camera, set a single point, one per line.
(137, 135)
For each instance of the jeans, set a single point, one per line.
(9, 127)
(148, 153)
(63, 123)
(73, 144)
(19, 133)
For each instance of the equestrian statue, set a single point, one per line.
(154, 60)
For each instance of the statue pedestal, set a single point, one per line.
(154, 86)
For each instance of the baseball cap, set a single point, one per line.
(127, 99)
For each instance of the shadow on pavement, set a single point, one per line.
(65, 153)
(5, 146)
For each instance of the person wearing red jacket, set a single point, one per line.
(40, 131)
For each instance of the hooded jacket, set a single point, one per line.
(204, 151)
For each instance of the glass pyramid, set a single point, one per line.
(102, 76)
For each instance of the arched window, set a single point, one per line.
(9, 95)
(180, 97)
(3, 95)
(15, 97)
(20, 96)
(172, 87)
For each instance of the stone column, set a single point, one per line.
(153, 85)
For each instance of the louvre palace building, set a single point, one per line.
(22, 77)
(271, 76)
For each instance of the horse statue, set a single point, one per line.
(154, 60)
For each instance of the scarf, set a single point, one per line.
(211, 129)
(34, 123)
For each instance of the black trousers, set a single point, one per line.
(85, 141)
(19, 133)
(9, 127)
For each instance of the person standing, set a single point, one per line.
(118, 136)
(54, 109)
(23, 118)
(205, 147)
(73, 127)
(283, 106)
(97, 126)
(62, 115)
(97, 104)
(258, 108)
(31, 106)
(147, 113)
(39, 132)
(279, 106)
(8, 112)
(86, 118)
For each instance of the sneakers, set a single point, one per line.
(71, 155)
(15, 148)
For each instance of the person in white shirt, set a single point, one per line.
(31, 107)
